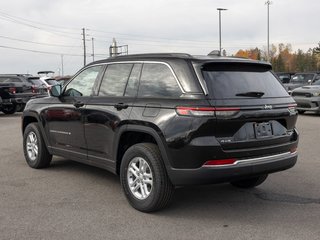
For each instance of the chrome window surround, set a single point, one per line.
(133, 62)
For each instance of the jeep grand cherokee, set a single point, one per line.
(166, 120)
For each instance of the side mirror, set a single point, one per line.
(309, 81)
(56, 90)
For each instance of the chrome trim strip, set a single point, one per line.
(255, 160)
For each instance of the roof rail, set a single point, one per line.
(154, 55)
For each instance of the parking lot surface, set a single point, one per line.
(70, 200)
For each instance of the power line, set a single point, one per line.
(26, 41)
(36, 51)
(44, 24)
(59, 33)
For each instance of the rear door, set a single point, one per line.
(107, 110)
(252, 107)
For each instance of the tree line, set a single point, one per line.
(283, 59)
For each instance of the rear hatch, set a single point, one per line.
(252, 108)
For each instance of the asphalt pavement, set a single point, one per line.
(70, 200)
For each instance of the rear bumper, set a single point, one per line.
(21, 99)
(241, 169)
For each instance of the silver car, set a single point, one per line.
(308, 97)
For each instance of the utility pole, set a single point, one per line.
(92, 39)
(268, 30)
(220, 9)
(61, 65)
(84, 45)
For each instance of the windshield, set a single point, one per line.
(302, 78)
(241, 81)
(316, 82)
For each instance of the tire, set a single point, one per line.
(250, 182)
(34, 148)
(142, 167)
(301, 111)
(20, 107)
(9, 109)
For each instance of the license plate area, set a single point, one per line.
(263, 130)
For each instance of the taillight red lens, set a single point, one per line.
(13, 90)
(206, 111)
(220, 162)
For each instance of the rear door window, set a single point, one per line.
(240, 80)
(157, 80)
(115, 80)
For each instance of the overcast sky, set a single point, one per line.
(190, 26)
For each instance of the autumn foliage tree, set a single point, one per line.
(283, 59)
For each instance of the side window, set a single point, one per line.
(133, 82)
(83, 83)
(157, 80)
(115, 80)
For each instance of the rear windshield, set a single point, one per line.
(52, 82)
(35, 81)
(302, 78)
(239, 80)
(9, 79)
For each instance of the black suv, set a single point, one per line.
(166, 120)
(17, 89)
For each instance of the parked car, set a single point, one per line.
(16, 90)
(301, 79)
(38, 85)
(308, 98)
(63, 80)
(285, 76)
(166, 120)
(49, 82)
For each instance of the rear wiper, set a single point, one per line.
(251, 94)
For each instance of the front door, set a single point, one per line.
(64, 118)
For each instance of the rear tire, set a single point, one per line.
(144, 178)
(9, 109)
(34, 148)
(250, 182)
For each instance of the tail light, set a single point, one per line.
(220, 162)
(13, 90)
(292, 108)
(207, 111)
(34, 90)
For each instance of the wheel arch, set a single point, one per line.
(32, 117)
(133, 134)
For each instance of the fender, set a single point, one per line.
(143, 129)
(35, 115)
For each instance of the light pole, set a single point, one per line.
(220, 9)
(268, 31)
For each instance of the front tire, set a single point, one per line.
(144, 178)
(250, 182)
(34, 148)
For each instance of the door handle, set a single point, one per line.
(120, 106)
(78, 104)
